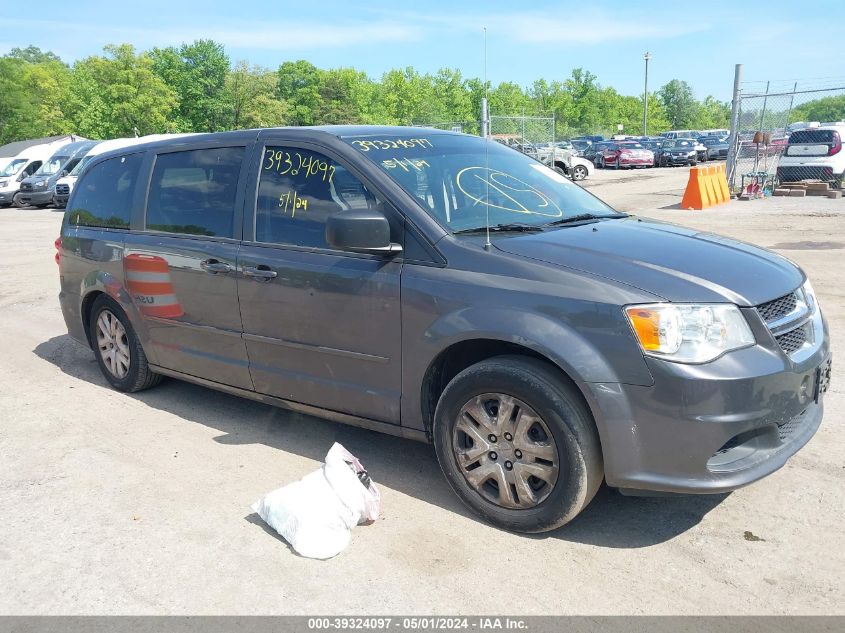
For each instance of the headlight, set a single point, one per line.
(3, 183)
(689, 333)
(810, 296)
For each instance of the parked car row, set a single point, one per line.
(43, 174)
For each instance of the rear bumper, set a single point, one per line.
(789, 173)
(708, 428)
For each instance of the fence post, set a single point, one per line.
(733, 141)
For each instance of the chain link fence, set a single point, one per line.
(769, 114)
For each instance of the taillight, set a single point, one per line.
(836, 147)
(58, 245)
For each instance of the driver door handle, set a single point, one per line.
(259, 273)
(215, 266)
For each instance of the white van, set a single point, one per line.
(814, 153)
(65, 184)
(24, 165)
(680, 134)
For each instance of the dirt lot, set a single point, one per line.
(140, 504)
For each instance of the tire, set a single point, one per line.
(561, 444)
(579, 172)
(137, 375)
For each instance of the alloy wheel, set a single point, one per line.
(113, 344)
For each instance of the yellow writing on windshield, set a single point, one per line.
(283, 163)
(292, 201)
(405, 163)
(505, 192)
(393, 143)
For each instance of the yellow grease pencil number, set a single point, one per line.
(277, 159)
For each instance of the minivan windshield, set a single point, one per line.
(457, 179)
(14, 167)
(52, 166)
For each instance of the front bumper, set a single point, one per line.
(8, 197)
(679, 160)
(25, 198)
(709, 428)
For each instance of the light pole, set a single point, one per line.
(646, 57)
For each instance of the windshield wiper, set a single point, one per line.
(513, 226)
(582, 217)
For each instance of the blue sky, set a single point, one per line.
(696, 41)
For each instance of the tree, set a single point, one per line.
(299, 86)
(33, 55)
(825, 109)
(679, 103)
(197, 73)
(118, 94)
(32, 98)
(251, 97)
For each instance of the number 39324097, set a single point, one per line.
(283, 163)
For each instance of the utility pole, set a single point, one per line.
(646, 57)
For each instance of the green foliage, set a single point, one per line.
(118, 95)
(193, 88)
(33, 55)
(821, 110)
(197, 73)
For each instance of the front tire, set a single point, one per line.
(579, 172)
(518, 444)
(119, 353)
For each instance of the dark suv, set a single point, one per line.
(440, 287)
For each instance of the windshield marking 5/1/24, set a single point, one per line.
(494, 179)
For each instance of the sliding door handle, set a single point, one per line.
(259, 273)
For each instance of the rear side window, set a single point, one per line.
(103, 197)
(193, 192)
(298, 190)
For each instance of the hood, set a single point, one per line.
(668, 261)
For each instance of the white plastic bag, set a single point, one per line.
(317, 513)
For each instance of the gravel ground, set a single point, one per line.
(139, 504)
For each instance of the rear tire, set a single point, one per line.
(515, 420)
(119, 353)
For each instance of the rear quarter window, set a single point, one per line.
(103, 197)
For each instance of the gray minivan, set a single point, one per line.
(440, 287)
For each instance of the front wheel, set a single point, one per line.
(119, 353)
(517, 443)
(579, 172)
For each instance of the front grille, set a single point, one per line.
(778, 308)
(26, 187)
(62, 190)
(790, 426)
(793, 340)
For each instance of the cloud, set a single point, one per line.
(287, 36)
(563, 27)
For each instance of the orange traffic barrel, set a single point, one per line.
(148, 281)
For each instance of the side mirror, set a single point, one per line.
(362, 231)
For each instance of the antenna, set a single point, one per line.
(485, 124)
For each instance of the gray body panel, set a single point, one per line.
(353, 337)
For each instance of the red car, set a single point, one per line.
(625, 154)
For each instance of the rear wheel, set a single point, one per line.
(517, 444)
(119, 354)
